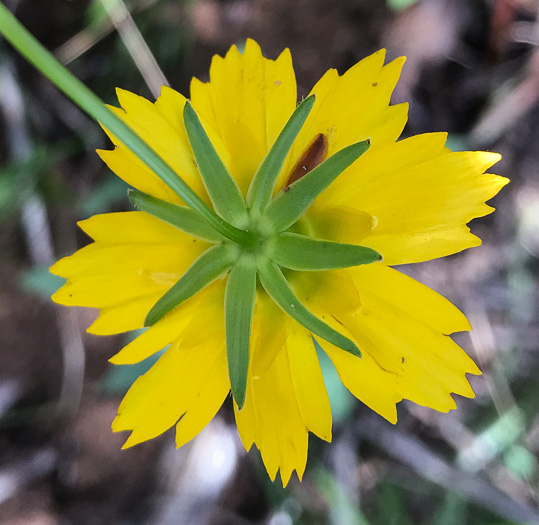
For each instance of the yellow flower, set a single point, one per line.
(409, 201)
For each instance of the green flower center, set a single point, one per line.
(259, 243)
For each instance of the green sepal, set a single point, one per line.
(290, 204)
(277, 287)
(182, 217)
(223, 190)
(265, 178)
(240, 295)
(213, 263)
(299, 252)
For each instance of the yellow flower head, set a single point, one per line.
(320, 201)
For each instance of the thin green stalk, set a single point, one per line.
(36, 54)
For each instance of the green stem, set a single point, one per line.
(36, 54)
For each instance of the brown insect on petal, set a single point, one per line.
(315, 154)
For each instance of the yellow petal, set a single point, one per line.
(406, 338)
(135, 227)
(102, 275)
(398, 291)
(136, 258)
(204, 407)
(313, 400)
(428, 366)
(272, 419)
(170, 105)
(123, 317)
(206, 315)
(158, 399)
(152, 340)
(101, 291)
(132, 170)
(421, 194)
(326, 293)
(98, 259)
(377, 165)
(247, 102)
(366, 380)
(341, 224)
(344, 114)
(194, 322)
(270, 331)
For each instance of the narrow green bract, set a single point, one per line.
(277, 287)
(302, 253)
(213, 263)
(182, 217)
(240, 295)
(224, 193)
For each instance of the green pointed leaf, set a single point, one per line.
(264, 180)
(223, 190)
(302, 253)
(213, 263)
(239, 305)
(290, 204)
(277, 287)
(182, 217)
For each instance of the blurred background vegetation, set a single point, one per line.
(472, 70)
